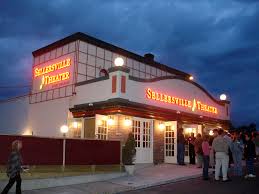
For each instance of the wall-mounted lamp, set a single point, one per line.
(110, 121)
(75, 124)
(127, 122)
(27, 132)
(211, 132)
(161, 126)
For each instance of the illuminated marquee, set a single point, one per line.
(191, 104)
(51, 68)
(51, 74)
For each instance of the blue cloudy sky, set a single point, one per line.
(216, 41)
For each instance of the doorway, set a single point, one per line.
(188, 129)
(142, 130)
(170, 142)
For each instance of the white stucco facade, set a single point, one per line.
(14, 115)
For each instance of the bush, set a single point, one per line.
(129, 150)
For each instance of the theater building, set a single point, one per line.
(101, 91)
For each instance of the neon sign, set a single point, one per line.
(191, 104)
(52, 73)
(51, 68)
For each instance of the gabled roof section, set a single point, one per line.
(84, 37)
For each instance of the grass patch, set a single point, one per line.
(51, 171)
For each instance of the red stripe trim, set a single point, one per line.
(114, 83)
(123, 84)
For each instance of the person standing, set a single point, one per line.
(191, 148)
(14, 168)
(249, 156)
(180, 147)
(228, 138)
(256, 141)
(198, 150)
(221, 147)
(237, 153)
(212, 153)
(206, 157)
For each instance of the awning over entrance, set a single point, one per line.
(122, 106)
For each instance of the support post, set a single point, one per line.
(64, 152)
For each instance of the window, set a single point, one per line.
(146, 134)
(75, 128)
(102, 131)
(136, 132)
(169, 141)
(103, 72)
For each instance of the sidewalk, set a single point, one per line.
(143, 178)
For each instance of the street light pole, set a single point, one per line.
(64, 130)
(64, 151)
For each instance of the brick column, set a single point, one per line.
(158, 146)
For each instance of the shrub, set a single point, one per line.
(129, 150)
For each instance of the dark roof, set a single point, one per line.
(108, 46)
(123, 106)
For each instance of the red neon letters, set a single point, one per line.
(51, 68)
(48, 75)
(193, 105)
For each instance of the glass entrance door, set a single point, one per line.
(142, 130)
(170, 142)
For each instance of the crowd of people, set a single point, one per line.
(219, 151)
(216, 151)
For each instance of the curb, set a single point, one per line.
(175, 180)
(34, 184)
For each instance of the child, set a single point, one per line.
(206, 156)
(249, 156)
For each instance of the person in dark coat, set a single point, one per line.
(180, 147)
(14, 168)
(249, 155)
(191, 148)
(198, 150)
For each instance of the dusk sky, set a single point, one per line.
(215, 41)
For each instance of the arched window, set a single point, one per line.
(103, 72)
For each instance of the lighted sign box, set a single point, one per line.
(193, 104)
(54, 74)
